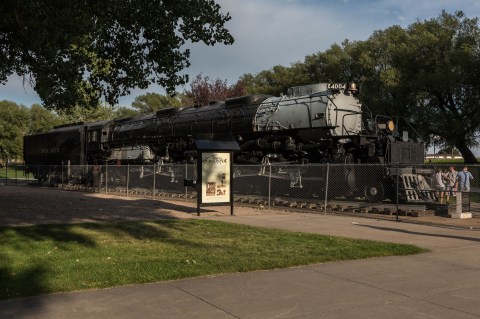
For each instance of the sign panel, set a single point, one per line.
(216, 177)
(336, 86)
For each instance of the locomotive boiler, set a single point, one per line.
(297, 127)
(312, 124)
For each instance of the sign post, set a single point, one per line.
(214, 173)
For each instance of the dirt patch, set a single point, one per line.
(24, 205)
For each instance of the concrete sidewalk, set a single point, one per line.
(444, 283)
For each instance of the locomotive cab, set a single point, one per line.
(98, 135)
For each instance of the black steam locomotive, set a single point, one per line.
(318, 123)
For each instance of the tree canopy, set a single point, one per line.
(151, 102)
(429, 73)
(42, 120)
(77, 52)
(14, 124)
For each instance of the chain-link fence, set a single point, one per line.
(436, 194)
(14, 174)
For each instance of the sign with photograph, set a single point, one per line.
(215, 177)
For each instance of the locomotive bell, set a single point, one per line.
(352, 88)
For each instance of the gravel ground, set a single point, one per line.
(25, 205)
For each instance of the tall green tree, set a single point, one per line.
(441, 67)
(123, 111)
(41, 119)
(427, 73)
(151, 102)
(336, 64)
(76, 52)
(14, 124)
(276, 80)
(78, 114)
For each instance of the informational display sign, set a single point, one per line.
(215, 177)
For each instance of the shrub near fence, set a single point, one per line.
(326, 188)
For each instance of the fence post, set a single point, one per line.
(16, 180)
(153, 190)
(326, 188)
(106, 178)
(62, 175)
(397, 191)
(100, 179)
(128, 177)
(6, 172)
(49, 175)
(69, 172)
(186, 177)
(269, 183)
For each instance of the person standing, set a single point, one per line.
(450, 182)
(439, 184)
(464, 177)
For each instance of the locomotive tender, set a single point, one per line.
(318, 123)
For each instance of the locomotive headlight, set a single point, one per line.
(390, 126)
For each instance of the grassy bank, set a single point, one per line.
(52, 258)
(14, 172)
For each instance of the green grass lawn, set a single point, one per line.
(444, 161)
(52, 258)
(14, 172)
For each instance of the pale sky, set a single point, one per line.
(280, 32)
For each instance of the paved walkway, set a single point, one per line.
(444, 283)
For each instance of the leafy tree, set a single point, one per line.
(152, 102)
(76, 52)
(336, 64)
(441, 66)
(276, 80)
(124, 111)
(41, 120)
(428, 73)
(14, 124)
(449, 151)
(203, 90)
(78, 114)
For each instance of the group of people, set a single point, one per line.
(451, 181)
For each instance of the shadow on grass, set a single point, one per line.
(31, 279)
(57, 233)
(50, 215)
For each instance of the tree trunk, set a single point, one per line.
(467, 154)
